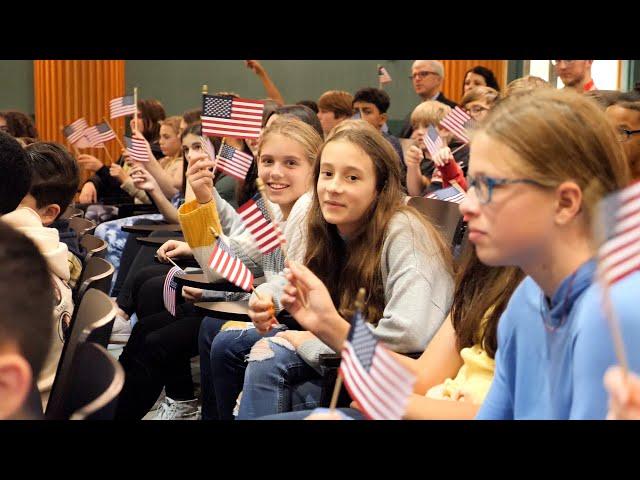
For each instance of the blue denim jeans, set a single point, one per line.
(278, 380)
(209, 328)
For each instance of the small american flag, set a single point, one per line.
(169, 290)
(100, 133)
(234, 162)
(137, 149)
(225, 116)
(383, 76)
(255, 217)
(121, 106)
(75, 131)
(372, 376)
(619, 215)
(458, 122)
(229, 267)
(449, 194)
(432, 140)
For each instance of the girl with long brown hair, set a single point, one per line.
(360, 234)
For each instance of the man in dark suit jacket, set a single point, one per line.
(426, 76)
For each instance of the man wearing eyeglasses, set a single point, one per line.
(426, 77)
(575, 74)
(624, 115)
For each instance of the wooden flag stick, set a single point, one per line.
(108, 154)
(215, 160)
(135, 114)
(336, 392)
(117, 139)
(459, 148)
(380, 84)
(174, 263)
(359, 303)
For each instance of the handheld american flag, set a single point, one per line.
(226, 116)
(137, 148)
(449, 194)
(619, 218)
(99, 134)
(229, 267)
(432, 140)
(257, 221)
(75, 131)
(169, 290)
(234, 162)
(383, 76)
(458, 122)
(372, 376)
(121, 106)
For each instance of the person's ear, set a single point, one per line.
(569, 202)
(49, 213)
(15, 384)
(383, 119)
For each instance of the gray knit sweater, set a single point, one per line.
(418, 291)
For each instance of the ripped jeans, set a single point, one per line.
(223, 361)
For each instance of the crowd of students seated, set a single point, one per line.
(506, 323)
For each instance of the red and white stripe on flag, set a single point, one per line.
(234, 162)
(230, 267)
(619, 256)
(169, 290)
(121, 106)
(100, 133)
(225, 116)
(266, 234)
(372, 376)
(75, 131)
(208, 147)
(433, 146)
(138, 148)
(455, 122)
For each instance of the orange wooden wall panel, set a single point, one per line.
(455, 70)
(66, 90)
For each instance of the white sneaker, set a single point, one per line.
(121, 330)
(177, 410)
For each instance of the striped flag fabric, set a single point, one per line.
(75, 131)
(121, 106)
(255, 217)
(208, 147)
(432, 140)
(458, 122)
(226, 116)
(383, 75)
(372, 376)
(169, 290)
(234, 162)
(449, 194)
(100, 133)
(229, 267)
(137, 148)
(619, 219)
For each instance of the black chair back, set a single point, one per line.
(445, 216)
(81, 226)
(97, 273)
(94, 246)
(92, 322)
(96, 380)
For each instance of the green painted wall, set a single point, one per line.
(177, 83)
(16, 85)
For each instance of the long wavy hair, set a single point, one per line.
(344, 267)
(480, 297)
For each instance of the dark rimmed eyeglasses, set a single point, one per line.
(423, 74)
(483, 185)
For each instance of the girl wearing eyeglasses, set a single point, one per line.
(539, 164)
